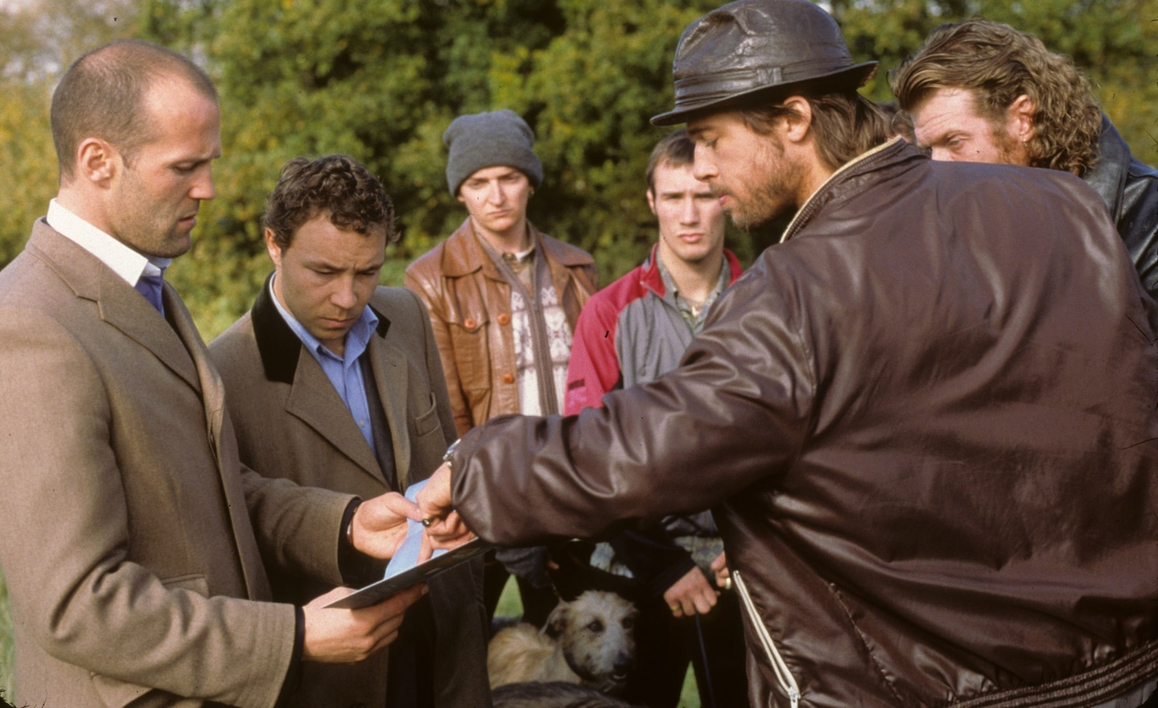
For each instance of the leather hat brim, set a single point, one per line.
(851, 77)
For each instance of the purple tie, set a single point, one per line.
(150, 287)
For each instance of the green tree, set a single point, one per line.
(37, 41)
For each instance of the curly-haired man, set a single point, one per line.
(982, 91)
(335, 382)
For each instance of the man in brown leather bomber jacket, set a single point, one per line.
(925, 419)
(503, 300)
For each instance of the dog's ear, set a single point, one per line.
(557, 622)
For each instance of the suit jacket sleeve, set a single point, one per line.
(81, 600)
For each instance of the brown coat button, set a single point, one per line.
(508, 378)
(504, 318)
(469, 323)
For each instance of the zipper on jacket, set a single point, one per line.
(783, 675)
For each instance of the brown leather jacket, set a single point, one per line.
(927, 424)
(470, 308)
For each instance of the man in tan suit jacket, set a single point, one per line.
(335, 382)
(132, 539)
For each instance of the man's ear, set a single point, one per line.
(96, 161)
(798, 124)
(272, 247)
(651, 200)
(1019, 118)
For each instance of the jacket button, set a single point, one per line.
(469, 323)
(504, 318)
(508, 378)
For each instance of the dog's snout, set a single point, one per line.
(622, 666)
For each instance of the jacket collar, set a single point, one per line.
(1108, 175)
(652, 280)
(279, 347)
(868, 161)
(462, 254)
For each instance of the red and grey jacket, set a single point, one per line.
(628, 333)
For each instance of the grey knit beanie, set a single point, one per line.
(482, 140)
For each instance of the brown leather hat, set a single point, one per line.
(751, 46)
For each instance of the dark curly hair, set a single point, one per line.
(999, 64)
(337, 185)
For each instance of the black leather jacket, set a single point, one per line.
(926, 422)
(1130, 190)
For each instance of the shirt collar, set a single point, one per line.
(124, 261)
(695, 319)
(357, 339)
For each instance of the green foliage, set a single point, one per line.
(7, 649)
(381, 80)
(36, 40)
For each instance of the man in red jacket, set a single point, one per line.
(631, 332)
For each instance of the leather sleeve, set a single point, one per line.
(734, 416)
(434, 372)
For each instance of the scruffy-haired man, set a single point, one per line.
(982, 91)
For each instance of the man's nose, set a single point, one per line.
(343, 294)
(203, 186)
(689, 210)
(703, 169)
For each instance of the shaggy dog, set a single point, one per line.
(588, 641)
(552, 695)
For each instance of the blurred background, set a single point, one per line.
(381, 79)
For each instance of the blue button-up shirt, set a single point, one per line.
(342, 371)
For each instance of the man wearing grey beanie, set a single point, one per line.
(503, 299)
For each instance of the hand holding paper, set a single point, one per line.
(379, 524)
(410, 564)
(444, 527)
(347, 636)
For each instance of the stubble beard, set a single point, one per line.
(772, 188)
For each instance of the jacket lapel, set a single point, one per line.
(118, 304)
(124, 308)
(390, 376)
(213, 400)
(314, 401)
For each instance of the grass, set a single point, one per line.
(7, 651)
(510, 606)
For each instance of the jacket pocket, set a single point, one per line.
(783, 675)
(468, 337)
(427, 422)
